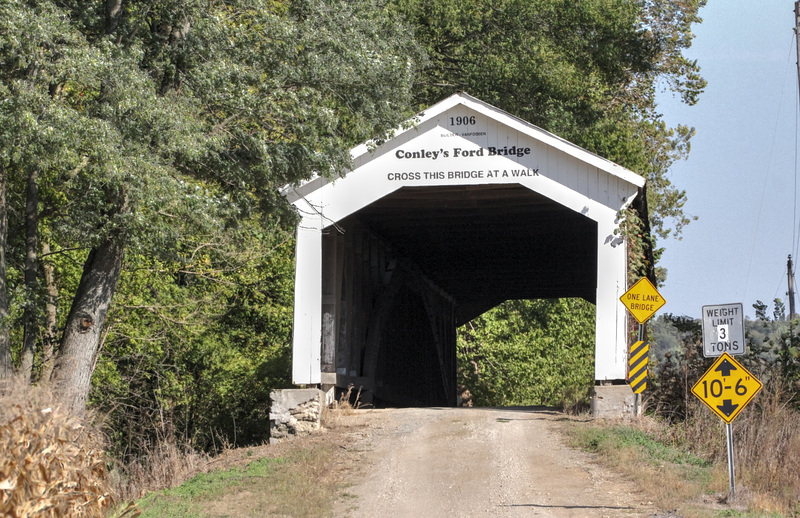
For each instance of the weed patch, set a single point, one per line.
(673, 477)
(293, 485)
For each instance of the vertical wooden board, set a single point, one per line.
(341, 313)
(492, 133)
(583, 178)
(328, 264)
(328, 359)
(366, 270)
(615, 196)
(592, 174)
(348, 316)
(366, 296)
(557, 170)
(308, 304)
(539, 151)
(610, 332)
(603, 187)
(512, 138)
(329, 275)
(571, 172)
(552, 164)
(357, 305)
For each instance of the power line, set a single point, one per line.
(769, 164)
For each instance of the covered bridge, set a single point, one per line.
(466, 208)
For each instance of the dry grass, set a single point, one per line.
(297, 478)
(347, 405)
(348, 402)
(51, 464)
(766, 446)
(640, 450)
(164, 465)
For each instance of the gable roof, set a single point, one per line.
(368, 151)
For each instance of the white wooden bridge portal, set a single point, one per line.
(467, 208)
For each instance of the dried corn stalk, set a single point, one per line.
(51, 464)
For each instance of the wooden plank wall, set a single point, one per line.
(361, 277)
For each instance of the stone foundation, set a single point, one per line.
(294, 412)
(613, 402)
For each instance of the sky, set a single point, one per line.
(740, 177)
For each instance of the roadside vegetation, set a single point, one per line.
(146, 255)
(682, 466)
(290, 485)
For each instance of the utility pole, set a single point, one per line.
(791, 287)
(797, 35)
(797, 42)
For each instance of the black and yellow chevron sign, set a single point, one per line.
(637, 366)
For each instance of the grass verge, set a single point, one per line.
(290, 485)
(676, 480)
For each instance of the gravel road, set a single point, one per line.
(476, 462)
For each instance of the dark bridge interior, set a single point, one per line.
(400, 275)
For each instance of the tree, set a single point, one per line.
(138, 114)
(761, 311)
(779, 311)
(31, 272)
(5, 337)
(195, 345)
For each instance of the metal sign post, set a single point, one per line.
(726, 388)
(731, 469)
(642, 301)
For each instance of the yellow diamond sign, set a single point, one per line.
(643, 300)
(726, 387)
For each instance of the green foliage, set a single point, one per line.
(194, 347)
(676, 362)
(169, 127)
(246, 97)
(537, 352)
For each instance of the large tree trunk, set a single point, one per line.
(51, 315)
(72, 372)
(5, 336)
(31, 276)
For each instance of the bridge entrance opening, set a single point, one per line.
(422, 261)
